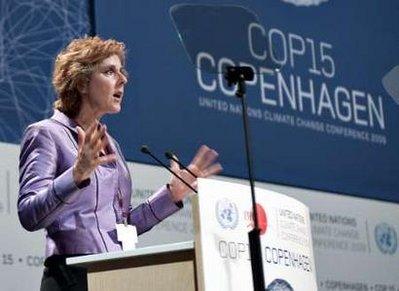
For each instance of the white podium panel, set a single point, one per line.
(221, 234)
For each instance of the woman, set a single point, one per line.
(74, 181)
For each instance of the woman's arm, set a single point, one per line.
(155, 209)
(42, 195)
(168, 199)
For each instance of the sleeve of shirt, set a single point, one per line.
(155, 209)
(42, 196)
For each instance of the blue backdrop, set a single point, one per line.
(340, 136)
(325, 122)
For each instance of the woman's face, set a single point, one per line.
(105, 89)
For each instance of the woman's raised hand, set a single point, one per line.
(91, 143)
(203, 165)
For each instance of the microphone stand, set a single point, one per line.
(239, 75)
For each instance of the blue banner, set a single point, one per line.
(324, 121)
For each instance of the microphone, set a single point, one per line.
(234, 74)
(146, 150)
(171, 156)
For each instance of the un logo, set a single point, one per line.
(279, 285)
(386, 238)
(226, 213)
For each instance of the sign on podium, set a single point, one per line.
(223, 217)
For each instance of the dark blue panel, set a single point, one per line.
(347, 143)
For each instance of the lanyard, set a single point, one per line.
(123, 200)
(123, 204)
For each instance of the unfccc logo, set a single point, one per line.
(386, 238)
(226, 213)
(279, 285)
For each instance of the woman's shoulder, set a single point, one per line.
(37, 136)
(47, 129)
(42, 127)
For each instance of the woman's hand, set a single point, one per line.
(90, 144)
(203, 165)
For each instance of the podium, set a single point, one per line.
(164, 267)
(218, 259)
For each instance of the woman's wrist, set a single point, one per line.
(77, 175)
(178, 202)
(172, 191)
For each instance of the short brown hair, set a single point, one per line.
(76, 63)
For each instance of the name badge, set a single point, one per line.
(127, 235)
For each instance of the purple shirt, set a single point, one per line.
(78, 220)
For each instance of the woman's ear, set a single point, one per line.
(83, 86)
